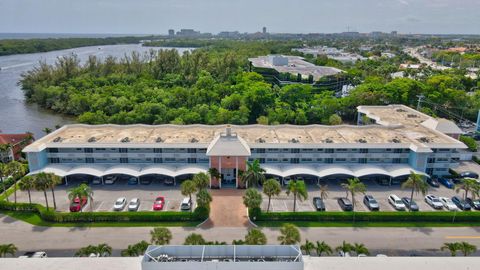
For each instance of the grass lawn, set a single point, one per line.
(35, 219)
(364, 224)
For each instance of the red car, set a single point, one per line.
(77, 204)
(159, 203)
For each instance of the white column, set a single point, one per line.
(236, 172)
(210, 166)
(220, 171)
(66, 181)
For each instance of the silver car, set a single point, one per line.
(433, 201)
(134, 204)
(120, 204)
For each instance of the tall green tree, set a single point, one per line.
(204, 198)
(323, 191)
(202, 181)
(135, 250)
(255, 237)
(417, 184)
(188, 187)
(344, 247)
(194, 239)
(299, 191)
(42, 184)
(467, 185)
(466, 248)
(271, 188)
(308, 247)
(451, 247)
(53, 180)
(354, 186)
(323, 248)
(254, 174)
(252, 198)
(8, 249)
(289, 235)
(160, 236)
(360, 248)
(16, 170)
(3, 175)
(27, 184)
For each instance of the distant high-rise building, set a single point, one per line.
(171, 32)
(264, 30)
(394, 33)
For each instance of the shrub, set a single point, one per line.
(201, 213)
(469, 142)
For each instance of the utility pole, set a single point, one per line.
(420, 97)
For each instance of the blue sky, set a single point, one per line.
(300, 16)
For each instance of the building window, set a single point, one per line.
(431, 160)
(340, 159)
(294, 160)
(192, 160)
(329, 160)
(329, 150)
(363, 150)
(157, 150)
(123, 160)
(54, 160)
(295, 150)
(122, 150)
(341, 150)
(261, 160)
(260, 150)
(362, 160)
(192, 150)
(397, 160)
(157, 160)
(52, 150)
(89, 160)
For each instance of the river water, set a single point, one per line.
(18, 116)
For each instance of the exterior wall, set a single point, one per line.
(37, 160)
(227, 162)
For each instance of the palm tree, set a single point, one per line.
(360, 249)
(135, 250)
(187, 188)
(8, 249)
(467, 184)
(3, 176)
(204, 198)
(53, 180)
(160, 236)
(299, 191)
(254, 174)
(289, 235)
(214, 173)
(47, 130)
(353, 186)
(452, 247)
(42, 184)
(344, 247)
(323, 191)
(104, 250)
(255, 237)
(307, 247)
(252, 198)
(86, 251)
(417, 184)
(27, 184)
(466, 248)
(194, 239)
(82, 191)
(202, 181)
(73, 193)
(271, 187)
(16, 170)
(322, 247)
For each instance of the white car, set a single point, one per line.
(449, 204)
(110, 180)
(396, 202)
(134, 204)
(433, 201)
(120, 204)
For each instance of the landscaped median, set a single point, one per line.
(369, 219)
(38, 215)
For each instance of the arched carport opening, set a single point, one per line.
(182, 177)
(146, 179)
(380, 178)
(307, 178)
(79, 178)
(123, 178)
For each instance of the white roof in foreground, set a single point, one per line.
(310, 263)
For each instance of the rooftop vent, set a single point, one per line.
(159, 140)
(294, 140)
(396, 140)
(261, 140)
(193, 140)
(58, 139)
(328, 140)
(424, 139)
(125, 140)
(362, 140)
(92, 139)
(401, 110)
(411, 115)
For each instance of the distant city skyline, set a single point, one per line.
(214, 16)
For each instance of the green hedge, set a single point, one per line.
(199, 214)
(434, 216)
(469, 142)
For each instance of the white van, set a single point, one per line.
(186, 204)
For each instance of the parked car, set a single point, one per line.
(286, 180)
(475, 204)
(433, 201)
(396, 202)
(159, 203)
(120, 204)
(145, 181)
(186, 204)
(461, 203)
(77, 204)
(110, 180)
(433, 182)
(34, 254)
(410, 204)
(134, 204)
(371, 203)
(345, 204)
(168, 182)
(96, 181)
(446, 182)
(448, 204)
(318, 204)
(469, 174)
(132, 181)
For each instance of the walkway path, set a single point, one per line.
(227, 209)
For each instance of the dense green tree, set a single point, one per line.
(416, 183)
(254, 174)
(194, 239)
(271, 188)
(289, 235)
(8, 249)
(160, 236)
(255, 237)
(299, 191)
(252, 198)
(353, 187)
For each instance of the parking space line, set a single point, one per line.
(166, 204)
(100, 205)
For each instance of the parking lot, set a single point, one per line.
(284, 203)
(105, 195)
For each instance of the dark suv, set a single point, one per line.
(318, 204)
(461, 203)
(345, 204)
(371, 203)
(474, 203)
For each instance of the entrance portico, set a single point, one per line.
(228, 154)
